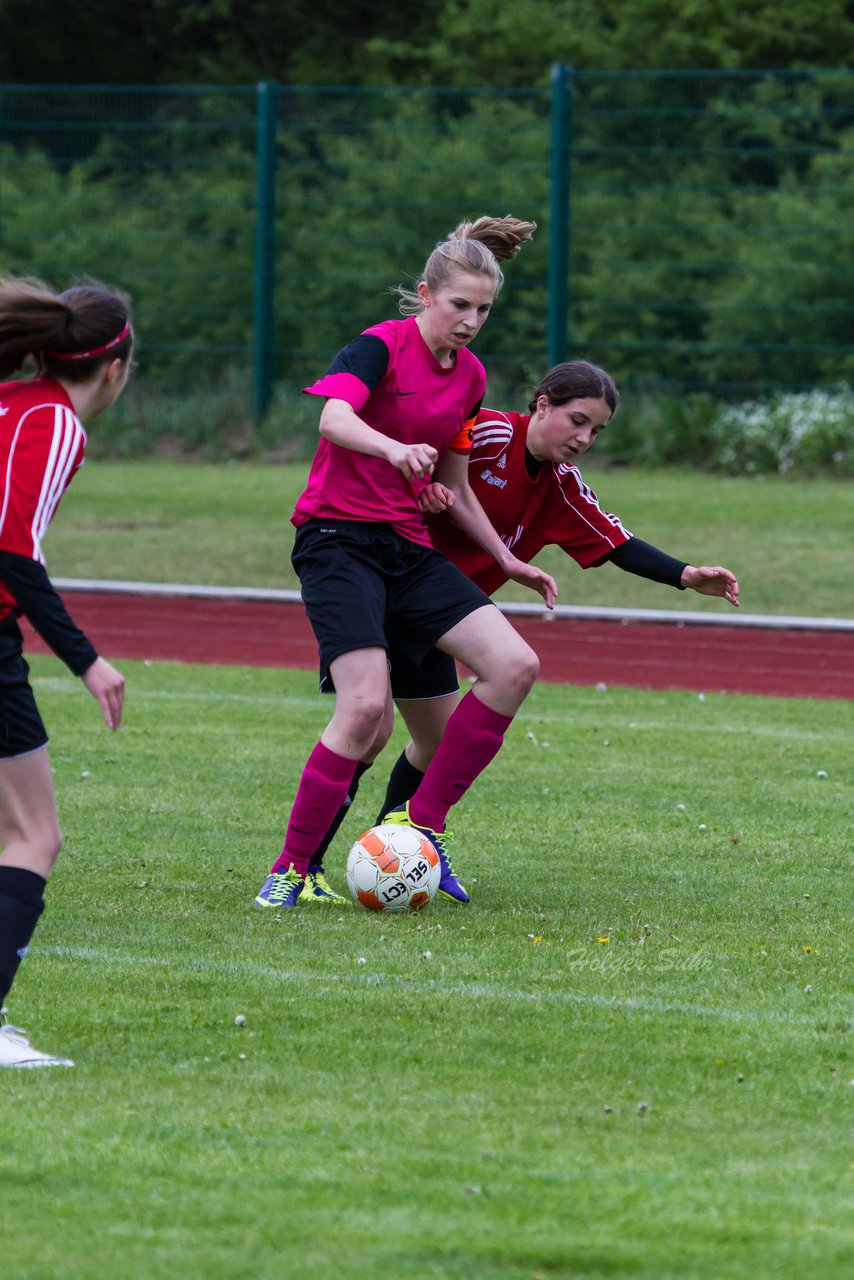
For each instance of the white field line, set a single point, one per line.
(534, 610)
(459, 990)
(63, 685)
(68, 686)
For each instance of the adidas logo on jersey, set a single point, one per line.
(502, 461)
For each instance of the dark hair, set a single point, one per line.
(477, 247)
(576, 380)
(58, 330)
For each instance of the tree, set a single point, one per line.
(436, 42)
(200, 41)
(503, 43)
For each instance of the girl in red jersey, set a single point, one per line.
(522, 469)
(80, 342)
(400, 402)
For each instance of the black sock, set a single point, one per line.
(317, 857)
(21, 904)
(404, 780)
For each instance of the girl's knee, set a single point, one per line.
(381, 738)
(52, 845)
(365, 722)
(47, 842)
(512, 680)
(523, 671)
(36, 848)
(57, 839)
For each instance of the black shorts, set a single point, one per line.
(21, 727)
(434, 677)
(365, 587)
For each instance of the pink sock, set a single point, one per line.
(473, 736)
(322, 790)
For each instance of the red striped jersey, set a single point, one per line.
(555, 507)
(42, 444)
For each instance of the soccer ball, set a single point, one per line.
(393, 868)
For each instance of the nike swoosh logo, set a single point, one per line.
(398, 392)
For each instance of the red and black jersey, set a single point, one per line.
(41, 447)
(42, 444)
(529, 513)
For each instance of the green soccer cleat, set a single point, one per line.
(281, 890)
(449, 885)
(318, 889)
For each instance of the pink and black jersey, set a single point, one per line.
(393, 382)
(529, 513)
(42, 444)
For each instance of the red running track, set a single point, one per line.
(643, 655)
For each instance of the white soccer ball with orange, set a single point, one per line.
(393, 868)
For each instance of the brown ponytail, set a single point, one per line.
(68, 335)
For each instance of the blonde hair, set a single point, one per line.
(68, 334)
(476, 247)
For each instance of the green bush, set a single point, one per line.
(152, 419)
(811, 432)
(212, 423)
(658, 430)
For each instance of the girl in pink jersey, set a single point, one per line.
(80, 342)
(399, 404)
(523, 469)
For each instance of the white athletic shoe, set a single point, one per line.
(16, 1051)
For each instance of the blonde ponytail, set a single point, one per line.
(476, 247)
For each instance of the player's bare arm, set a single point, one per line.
(341, 425)
(469, 515)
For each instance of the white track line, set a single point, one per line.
(561, 611)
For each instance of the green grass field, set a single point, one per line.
(630, 1057)
(788, 540)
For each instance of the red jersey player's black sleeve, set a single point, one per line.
(366, 358)
(37, 599)
(642, 558)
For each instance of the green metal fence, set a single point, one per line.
(695, 228)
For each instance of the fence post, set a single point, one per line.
(561, 157)
(267, 101)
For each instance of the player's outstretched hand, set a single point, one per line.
(107, 687)
(528, 575)
(416, 461)
(711, 581)
(435, 499)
